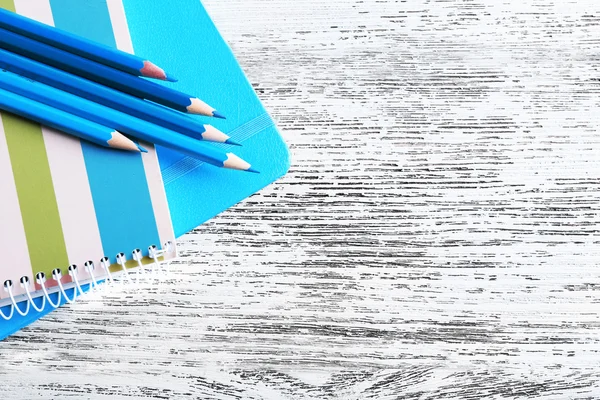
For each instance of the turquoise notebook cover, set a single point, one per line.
(183, 40)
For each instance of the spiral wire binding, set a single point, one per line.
(153, 253)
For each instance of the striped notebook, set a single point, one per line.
(71, 202)
(65, 201)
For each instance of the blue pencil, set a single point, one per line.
(122, 122)
(80, 46)
(104, 75)
(65, 122)
(101, 94)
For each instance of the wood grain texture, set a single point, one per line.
(436, 238)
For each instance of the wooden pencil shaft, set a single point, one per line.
(55, 118)
(101, 94)
(109, 117)
(94, 71)
(74, 44)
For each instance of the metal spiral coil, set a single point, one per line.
(23, 307)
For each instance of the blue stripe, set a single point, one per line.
(117, 179)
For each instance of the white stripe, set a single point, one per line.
(150, 160)
(69, 176)
(74, 198)
(35, 9)
(14, 262)
(119, 24)
(158, 196)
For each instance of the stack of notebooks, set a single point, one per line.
(67, 202)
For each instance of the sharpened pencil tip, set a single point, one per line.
(233, 142)
(255, 171)
(216, 114)
(171, 78)
(212, 134)
(234, 162)
(199, 107)
(151, 70)
(143, 150)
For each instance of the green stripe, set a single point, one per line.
(35, 190)
(39, 209)
(8, 5)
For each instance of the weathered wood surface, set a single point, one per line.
(436, 238)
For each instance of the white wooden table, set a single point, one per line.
(438, 236)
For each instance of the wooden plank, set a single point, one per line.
(436, 238)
